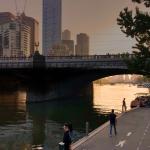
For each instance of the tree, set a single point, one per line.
(136, 24)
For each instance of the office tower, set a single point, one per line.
(66, 35)
(15, 27)
(66, 40)
(70, 45)
(14, 39)
(6, 17)
(51, 24)
(59, 50)
(82, 46)
(34, 34)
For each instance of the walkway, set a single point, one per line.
(133, 134)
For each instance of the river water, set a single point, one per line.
(39, 126)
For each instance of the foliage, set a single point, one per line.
(146, 2)
(136, 24)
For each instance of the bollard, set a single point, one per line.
(87, 128)
(61, 146)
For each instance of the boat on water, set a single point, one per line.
(144, 85)
(140, 85)
(142, 100)
(112, 83)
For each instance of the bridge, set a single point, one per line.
(86, 62)
(52, 77)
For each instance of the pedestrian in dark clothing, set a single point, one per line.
(67, 138)
(113, 121)
(124, 106)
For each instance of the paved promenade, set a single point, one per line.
(133, 134)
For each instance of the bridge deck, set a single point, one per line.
(133, 134)
(87, 62)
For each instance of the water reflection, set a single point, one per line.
(13, 123)
(12, 107)
(48, 119)
(108, 97)
(39, 126)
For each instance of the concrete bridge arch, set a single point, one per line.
(49, 78)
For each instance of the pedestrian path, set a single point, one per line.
(133, 134)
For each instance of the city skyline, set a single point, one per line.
(100, 24)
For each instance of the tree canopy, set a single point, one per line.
(146, 2)
(136, 24)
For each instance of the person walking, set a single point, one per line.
(113, 122)
(66, 138)
(124, 106)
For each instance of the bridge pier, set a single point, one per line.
(47, 92)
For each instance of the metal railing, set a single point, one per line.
(92, 61)
(16, 62)
(89, 57)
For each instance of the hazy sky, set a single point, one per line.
(97, 18)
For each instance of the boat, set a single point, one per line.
(144, 85)
(134, 103)
(140, 85)
(141, 101)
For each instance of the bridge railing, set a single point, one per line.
(16, 65)
(77, 57)
(16, 62)
(16, 59)
(88, 57)
(90, 61)
(94, 61)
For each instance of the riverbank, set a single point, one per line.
(133, 131)
(96, 131)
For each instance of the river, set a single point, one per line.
(39, 126)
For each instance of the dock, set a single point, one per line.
(133, 133)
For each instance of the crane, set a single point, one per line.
(24, 6)
(16, 6)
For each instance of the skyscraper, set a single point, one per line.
(51, 24)
(18, 34)
(34, 34)
(66, 40)
(66, 35)
(14, 39)
(82, 47)
(70, 45)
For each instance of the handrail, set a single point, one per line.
(92, 61)
(87, 57)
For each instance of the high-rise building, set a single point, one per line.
(66, 40)
(82, 46)
(66, 35)
(6, 17)
(59, 50)
(52, 14)
(34, 36)
(14, 39)
(70, 45)
(21, 30)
